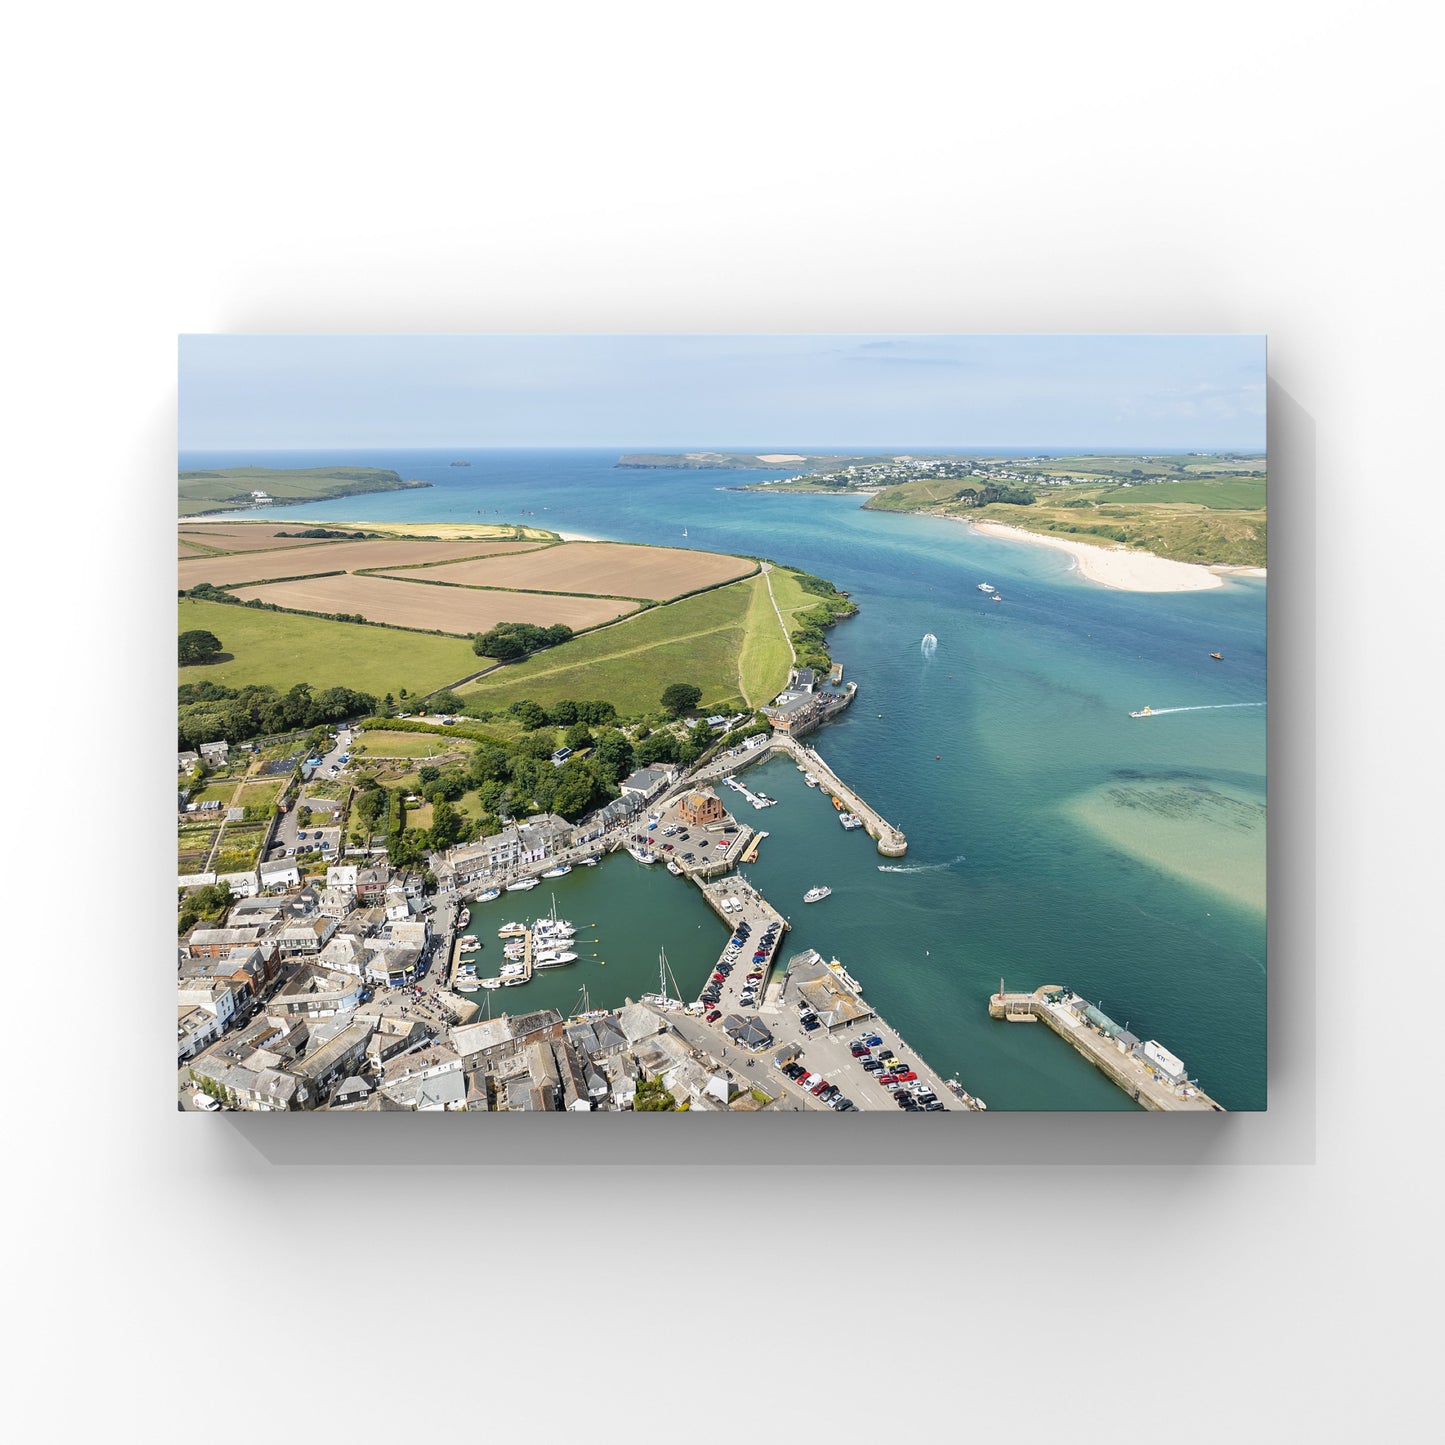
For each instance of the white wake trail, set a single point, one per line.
(1204, 707)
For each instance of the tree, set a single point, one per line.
(530, 714)
(678, 697)
(612, 756)
(446, 825)
(446, 702)
(197, 646)
(428, 774)
(577, 736)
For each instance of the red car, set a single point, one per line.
(906, 1078)
(819, 1086)
(713, 1015)
(718, 978)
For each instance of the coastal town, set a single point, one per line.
(336, 979)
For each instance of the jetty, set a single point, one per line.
(891, 841)
(1145, 1070)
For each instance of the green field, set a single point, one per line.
(281, 649)
(1245, 494)
(697, 640)
(210, 491)
(409, 745)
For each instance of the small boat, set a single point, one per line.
(674, 869)
(985, 587)
(1217, 656)
(491, 983)
(837, 803)
(641, 855)
(561, 871)
(490, 894)
(1143, 712)
(468, 985)
(850, 821)
(513, 982)
(469, 944)
(522, 885)
(997, 597)
(590, 862)
(816, 895)
(553, 958)
(684, 531)
(512, 930)
(464, 917)
(811, 779)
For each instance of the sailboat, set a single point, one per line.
(661, 999)
(684, 531)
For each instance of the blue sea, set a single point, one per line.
(1052, 838)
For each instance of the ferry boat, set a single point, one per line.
(985, 587)
(490, 894)
(850, 821)
(521, 885)
(1145, 712)
(816, 895)
(561, 871)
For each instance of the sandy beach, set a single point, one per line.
(1126, 570)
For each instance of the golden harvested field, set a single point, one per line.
(599, 568)
(330, 557)
(448, 609)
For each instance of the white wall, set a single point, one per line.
(1120, 166)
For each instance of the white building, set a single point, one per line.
(1163, 1062)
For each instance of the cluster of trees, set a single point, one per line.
(197, 646)
(562, 714)
(652, 1096)
(680, 697)
(325, 532)
(510, 640)
(209, 711)
(209, 903)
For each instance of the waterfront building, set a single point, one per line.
(701, 807)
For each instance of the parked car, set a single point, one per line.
(811, 1026)
(872, 1040)
(907, 1077)
(713, 1015)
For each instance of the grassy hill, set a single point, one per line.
(209, 491)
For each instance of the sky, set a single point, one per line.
(1198, 393)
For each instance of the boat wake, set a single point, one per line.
(1205, 707)
(930, 644)
(919, 867)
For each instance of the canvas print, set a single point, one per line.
(813, 724)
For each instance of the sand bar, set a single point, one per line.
(1118, 567)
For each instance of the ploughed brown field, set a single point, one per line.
(331, 557)
(237, 538)
(608, 568)
(446, 609)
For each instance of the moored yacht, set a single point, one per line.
(560, 871)
(521, 885)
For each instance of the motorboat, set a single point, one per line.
(521, 885)
(512, 930)
(850, 821)
(811, 779)
(513, 982)
(553, 958)
(985, 587)
(469, 944)
(674, 868)
(816, 895)
(491, 983)
(1217, 656)
(1143, 712)
(464, 917)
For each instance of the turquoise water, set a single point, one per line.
(1056, 839)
